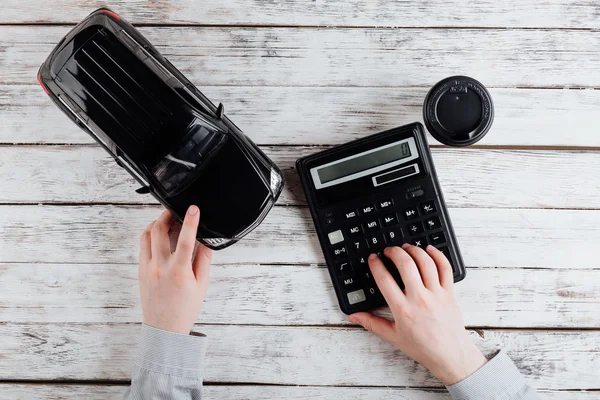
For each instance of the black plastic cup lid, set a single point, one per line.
(458, 111)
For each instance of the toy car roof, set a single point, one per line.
(115, 83)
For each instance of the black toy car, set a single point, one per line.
(156, 125)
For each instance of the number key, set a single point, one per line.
(375, 240)
(359, 245)
(394, 236)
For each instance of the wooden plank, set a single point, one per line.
(505, 298)
(288, 355)
(242, 392)
(109, 234)
(333, 115)
(236, 392)
(437, 13)
(343, 57)
(528, 179)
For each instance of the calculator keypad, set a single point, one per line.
(370, 229)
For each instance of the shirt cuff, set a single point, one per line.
(171, 353)
(498, 379)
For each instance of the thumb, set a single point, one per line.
(377, 325)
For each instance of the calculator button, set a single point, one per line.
(445, 251)
(428, 208)
(357, 296)
(372, 225)
(415, 229)
(376, 240)
(367, 209)
(340, 252)
(420, 242)
(355, 230)
(390, 220)
(411, 213)
(437, 238)
(362, 261)
(347, 282)
(385, 204)
(335, 237)
(350, 214)
(433, 223)
(394, 236)
(343, 268)
(359, 245)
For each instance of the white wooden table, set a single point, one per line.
(299, 76)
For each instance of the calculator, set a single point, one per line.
(372, 193)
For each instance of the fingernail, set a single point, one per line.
(406, 246)
(372, 256)
(193, 210)
(352, 319)
(429, 247)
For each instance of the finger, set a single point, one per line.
(145, 245)
(377, 325)
(385, 282)
(426, 266)
(407, 268)
(201, 264)
(159, 235)
(187, 236)
(444, 267)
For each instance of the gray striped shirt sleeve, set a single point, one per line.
(498, 379)
(167, 366)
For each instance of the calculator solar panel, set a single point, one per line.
(373, 193)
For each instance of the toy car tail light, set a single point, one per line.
(39, 78)
(112, 14)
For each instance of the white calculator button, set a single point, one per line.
(357, 296)
(336, 237)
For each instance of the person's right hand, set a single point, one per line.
(428, 326)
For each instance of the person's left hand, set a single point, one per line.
(173, 285)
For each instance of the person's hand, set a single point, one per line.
(173, 285)
(428, 326)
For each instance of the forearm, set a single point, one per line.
(167, 366)
(499, 378)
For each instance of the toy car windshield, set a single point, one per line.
(156, 125)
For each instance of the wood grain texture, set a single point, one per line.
(343, 57)
(332, 115)
(436, 13)
(504, 298)
(110, 234)
(288, 355)
(247, 392)
(237, 392)
(528, 179)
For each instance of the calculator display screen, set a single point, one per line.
(364, 163)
